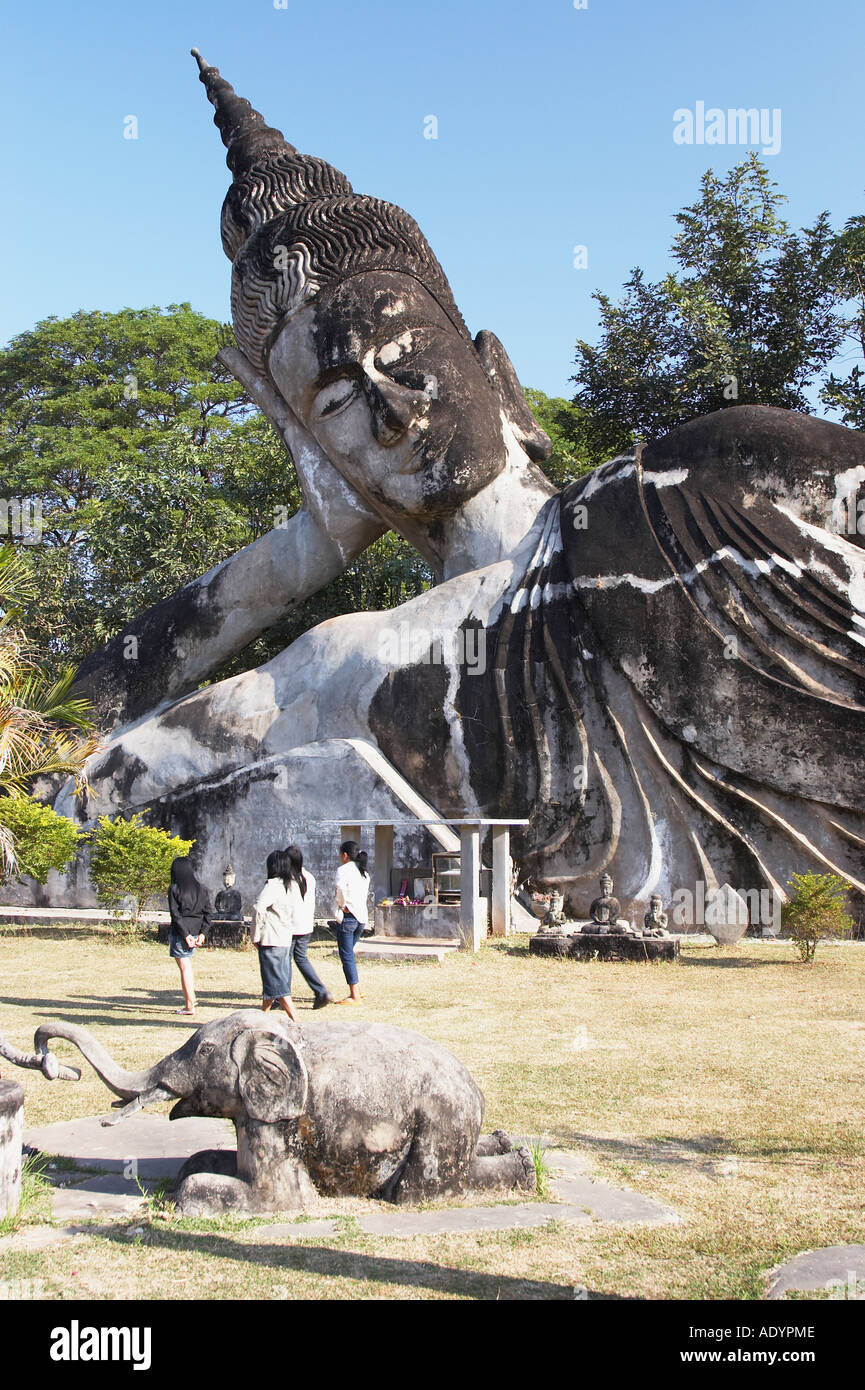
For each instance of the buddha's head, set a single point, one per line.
(606, 885)
(340, 301)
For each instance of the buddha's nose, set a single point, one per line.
(395, 409)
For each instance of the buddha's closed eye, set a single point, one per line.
(335, 396)
(388, 360)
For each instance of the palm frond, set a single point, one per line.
(17, 583)
(52, 702)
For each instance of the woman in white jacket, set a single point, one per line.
(352, 889)
(273, 925)
(283, 920)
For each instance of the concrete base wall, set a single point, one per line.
(239, 819)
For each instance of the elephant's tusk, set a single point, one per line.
(155, 1093)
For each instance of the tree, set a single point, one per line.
(132, 860)
(817, 909)
(846, 265)
(565, 424)
(749, 317)
(146, 457)
(45, 730)
(42, 840)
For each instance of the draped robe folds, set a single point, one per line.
(679, 677)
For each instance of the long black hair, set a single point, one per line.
(278, 866)
(190, 895)
(357, 855)
(294, 855)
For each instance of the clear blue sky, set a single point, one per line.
(555, 129)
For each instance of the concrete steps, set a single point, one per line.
(404, 948)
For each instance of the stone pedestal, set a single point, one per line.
(436, 922)
(11, 1133)
(224, 931)
(604, 947)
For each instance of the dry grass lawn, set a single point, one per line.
(729, 1086)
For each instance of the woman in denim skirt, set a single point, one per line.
(189, 910)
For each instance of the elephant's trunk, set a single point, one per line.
(129, 1085)
(43, 1061)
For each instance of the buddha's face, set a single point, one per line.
(606, 885)
(395, 396)
(228, 878)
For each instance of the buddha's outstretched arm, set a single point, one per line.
(179, 642)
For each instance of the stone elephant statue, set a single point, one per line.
(342, 1107)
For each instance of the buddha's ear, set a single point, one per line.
(500, 370)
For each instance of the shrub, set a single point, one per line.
(817, 909)
(41, 840)
(131, 860)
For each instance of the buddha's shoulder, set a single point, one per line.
(733, 452)
(751, 458)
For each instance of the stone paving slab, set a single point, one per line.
(814, 1270)
(38, 1238)
(159, 1145)
(561, 1160)
(460, 1219)
(613, 1204)
(109, 1194)
(384, 950)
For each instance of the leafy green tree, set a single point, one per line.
(42, 840)
(148, 460)
(750, 316)
(846, 265)
(130, 860)
(817, 909)
(566, 425)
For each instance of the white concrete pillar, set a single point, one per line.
(501, 904)
(472, 927)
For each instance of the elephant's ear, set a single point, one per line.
(272, 1078)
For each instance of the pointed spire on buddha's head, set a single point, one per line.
(270, 175)
(245, 133)
(292, 224)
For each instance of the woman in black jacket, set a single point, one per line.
(189, 910)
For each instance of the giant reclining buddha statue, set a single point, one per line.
(673, 670)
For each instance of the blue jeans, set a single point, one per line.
(298, 953)
(348, 934)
